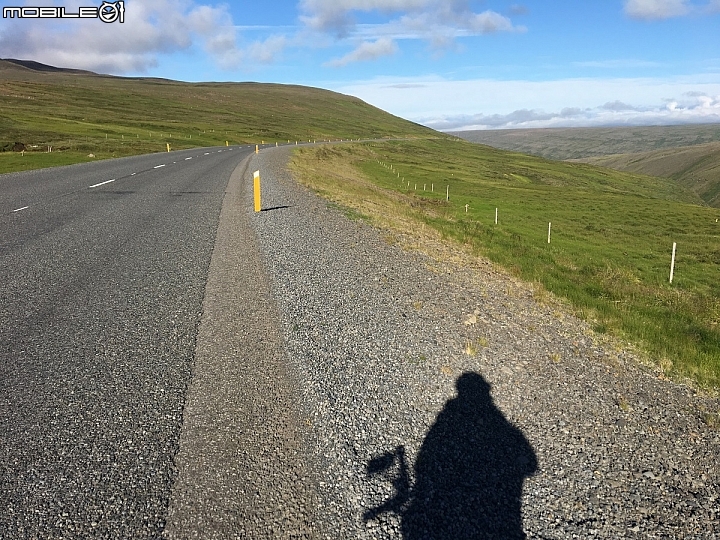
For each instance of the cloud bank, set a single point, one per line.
(498, 104)
(701, 109)
(151, 28)
(438, 22)
(157, 27)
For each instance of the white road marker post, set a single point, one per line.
(672, 262)
(496, 216)
(466, 208)
(549, 226)
(447, 194)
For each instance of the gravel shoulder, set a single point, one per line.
(240, 468)
(407, 442)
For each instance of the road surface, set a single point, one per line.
(103, 269)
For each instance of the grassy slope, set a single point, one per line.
(689, 155)
(79, 113)
(695, 167)
(611, 243)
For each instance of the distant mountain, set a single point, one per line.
(578, 143)
(30, 65)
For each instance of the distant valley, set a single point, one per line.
(689, 155)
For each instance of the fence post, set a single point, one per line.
(672, 263)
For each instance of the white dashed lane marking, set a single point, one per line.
(158, 166)
(102, 183)
(21, 209)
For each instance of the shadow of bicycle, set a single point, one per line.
(469, 472)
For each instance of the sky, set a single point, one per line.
(448, 64)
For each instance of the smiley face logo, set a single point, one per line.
(110, 12)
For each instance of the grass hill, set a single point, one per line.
(612, 233)
(694, 167)
(79, 113)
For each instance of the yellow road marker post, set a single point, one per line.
(256, 149)
(168, 146)
(227, 143)
(256, 182)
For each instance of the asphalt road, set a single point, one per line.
(103, 269)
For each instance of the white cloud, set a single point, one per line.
(618, 106)
(336, 15)
(367, 51)
(656, 9)
(439, 22)
(267, 51)
(667, 9)
(151, 28)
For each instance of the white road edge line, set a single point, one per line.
(102, 183)
(21, 209)
(158, 166)
(187, 158)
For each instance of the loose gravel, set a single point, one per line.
(442, 401)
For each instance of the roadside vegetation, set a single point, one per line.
(611, 236)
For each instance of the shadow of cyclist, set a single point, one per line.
(469, 472)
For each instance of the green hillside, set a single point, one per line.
(694, 167)
(79, 113)
(612, 233)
